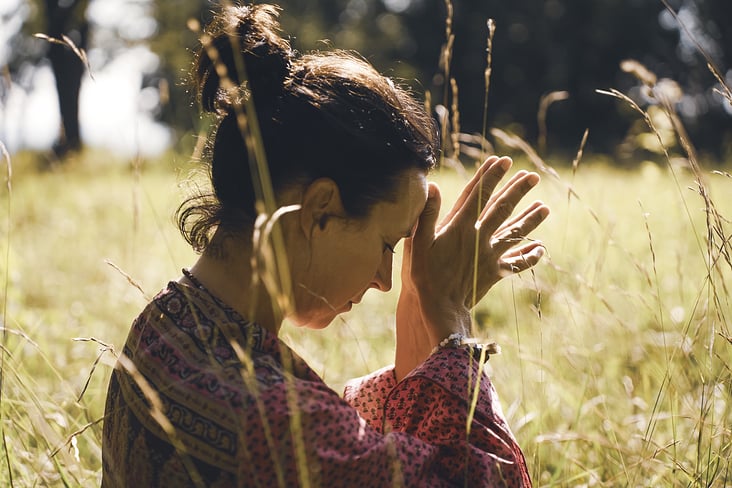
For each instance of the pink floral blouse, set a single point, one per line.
(201, 397)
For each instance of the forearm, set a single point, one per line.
(421, 325)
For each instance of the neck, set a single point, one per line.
(227, 273)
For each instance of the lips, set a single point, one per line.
(349, 305)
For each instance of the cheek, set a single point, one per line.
(350, 275)
(338, 270)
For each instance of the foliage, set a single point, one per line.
(539, 47)
(572, 46)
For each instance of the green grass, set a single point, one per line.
(615, 368)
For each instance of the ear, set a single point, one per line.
(321, 200)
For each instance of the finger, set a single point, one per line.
(498, 211)
(521, 259)
(513, 221)
(424, 234)
(508, 187)
(406, 261)
(466, 191)
(479, 187)
(517, 252)
(510, 235)
(426, 220)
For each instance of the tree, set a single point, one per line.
(65, 19)
(576, 46)
(540, 46)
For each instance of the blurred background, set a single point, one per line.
(130, 95)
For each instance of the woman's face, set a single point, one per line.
(347, 257)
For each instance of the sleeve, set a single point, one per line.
(323, 441)
(433, 404)
(411, 434)
(368, 395)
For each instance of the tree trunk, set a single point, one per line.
(67, 18)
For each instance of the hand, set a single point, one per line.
(439, 285)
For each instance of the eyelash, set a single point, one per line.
(389, 247)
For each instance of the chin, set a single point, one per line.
(318, 322)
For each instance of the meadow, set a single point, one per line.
(616, 363)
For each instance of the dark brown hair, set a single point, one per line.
(323, 114)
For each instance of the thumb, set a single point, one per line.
(424, 234)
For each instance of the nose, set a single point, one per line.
(382, 279)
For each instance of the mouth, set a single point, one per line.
(349, 305)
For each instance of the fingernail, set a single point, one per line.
(505, 163)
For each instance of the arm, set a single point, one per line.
(433, 404)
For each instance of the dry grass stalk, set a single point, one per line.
(544, 104)
(580, 152)
(576, 162)
(157, 413)
(271, 250)
(129, 279)
(644, 75)
(446, 52)
(103, 348)
(491, 24)
(444, 64)
(473, 395)
(455, 122)
(250, 380)
(6, 284)
(717, 250)
(715, 222)
(475, 147)
(515, 142)
(66, 41)
(725, 90)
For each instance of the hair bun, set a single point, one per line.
(254, 31)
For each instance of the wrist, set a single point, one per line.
(448, 321)
(453, 340)
(479, 351)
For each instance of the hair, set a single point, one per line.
(320, 115)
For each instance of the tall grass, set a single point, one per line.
(64, 228)
(621, 377)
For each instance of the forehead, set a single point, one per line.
(400, 216)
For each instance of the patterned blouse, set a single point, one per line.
(201, 397)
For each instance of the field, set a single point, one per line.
(616, 367)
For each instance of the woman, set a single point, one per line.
(206, 395)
